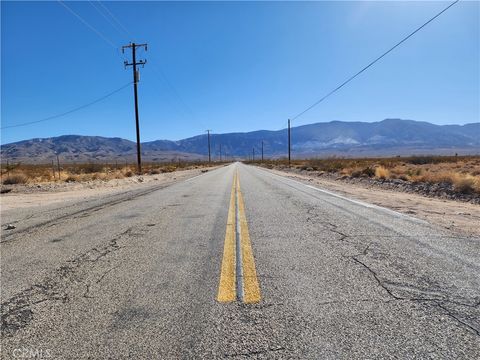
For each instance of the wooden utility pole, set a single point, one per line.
(289, 153)
(209, 155)
(58, 167)
(134, 64)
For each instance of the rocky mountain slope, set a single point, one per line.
(387, 137)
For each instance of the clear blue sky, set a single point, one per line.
(235, 66)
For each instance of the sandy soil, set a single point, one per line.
(50, 193)
(454, 215)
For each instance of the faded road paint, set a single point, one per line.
(238, 261)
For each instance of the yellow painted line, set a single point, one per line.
(226, 289)
(251, 287)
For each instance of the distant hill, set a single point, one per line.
(77, 148)
(387, 137)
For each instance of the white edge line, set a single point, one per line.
(358, 202)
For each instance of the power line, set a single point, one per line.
(374, 61)
(70, 111)
(163, 76)
(87, 24)
(91, 27)
(85, 105)
(158, 70)
(116, 19)
(119, 30)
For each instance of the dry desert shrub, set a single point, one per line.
(15, 179)
(71, 178)
(462, 172)
(467, 184)
(168, 168)
(462, 183)
(382, 173)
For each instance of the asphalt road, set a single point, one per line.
(170, 272)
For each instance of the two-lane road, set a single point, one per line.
(237, 263)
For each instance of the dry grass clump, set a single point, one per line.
(463, 172)
(462, 183)
(70, 178)
(168, 169)
(67, 172)
(356, 172)
(15, 179)
(382, 172)
(467, 184)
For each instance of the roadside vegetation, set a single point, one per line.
(461, 172)
(13, 174)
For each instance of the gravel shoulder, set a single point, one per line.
(462, 217)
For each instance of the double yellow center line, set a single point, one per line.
(238, 277)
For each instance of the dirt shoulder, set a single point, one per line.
(462, 217)
(33, 195)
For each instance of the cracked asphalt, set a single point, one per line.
(135, 275)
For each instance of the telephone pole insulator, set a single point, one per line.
(136, 79)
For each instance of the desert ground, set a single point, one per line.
(452, 207)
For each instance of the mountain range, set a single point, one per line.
(387, 137)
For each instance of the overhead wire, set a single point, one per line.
(103, 37)
(70, 111)
(158, 70)
(116, 20)
(87, 24)
(164, 77)
(161, 74)
(115, 26)
(94, 29)
(374, 61)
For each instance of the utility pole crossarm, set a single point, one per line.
(139, 62)
(136, 45)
